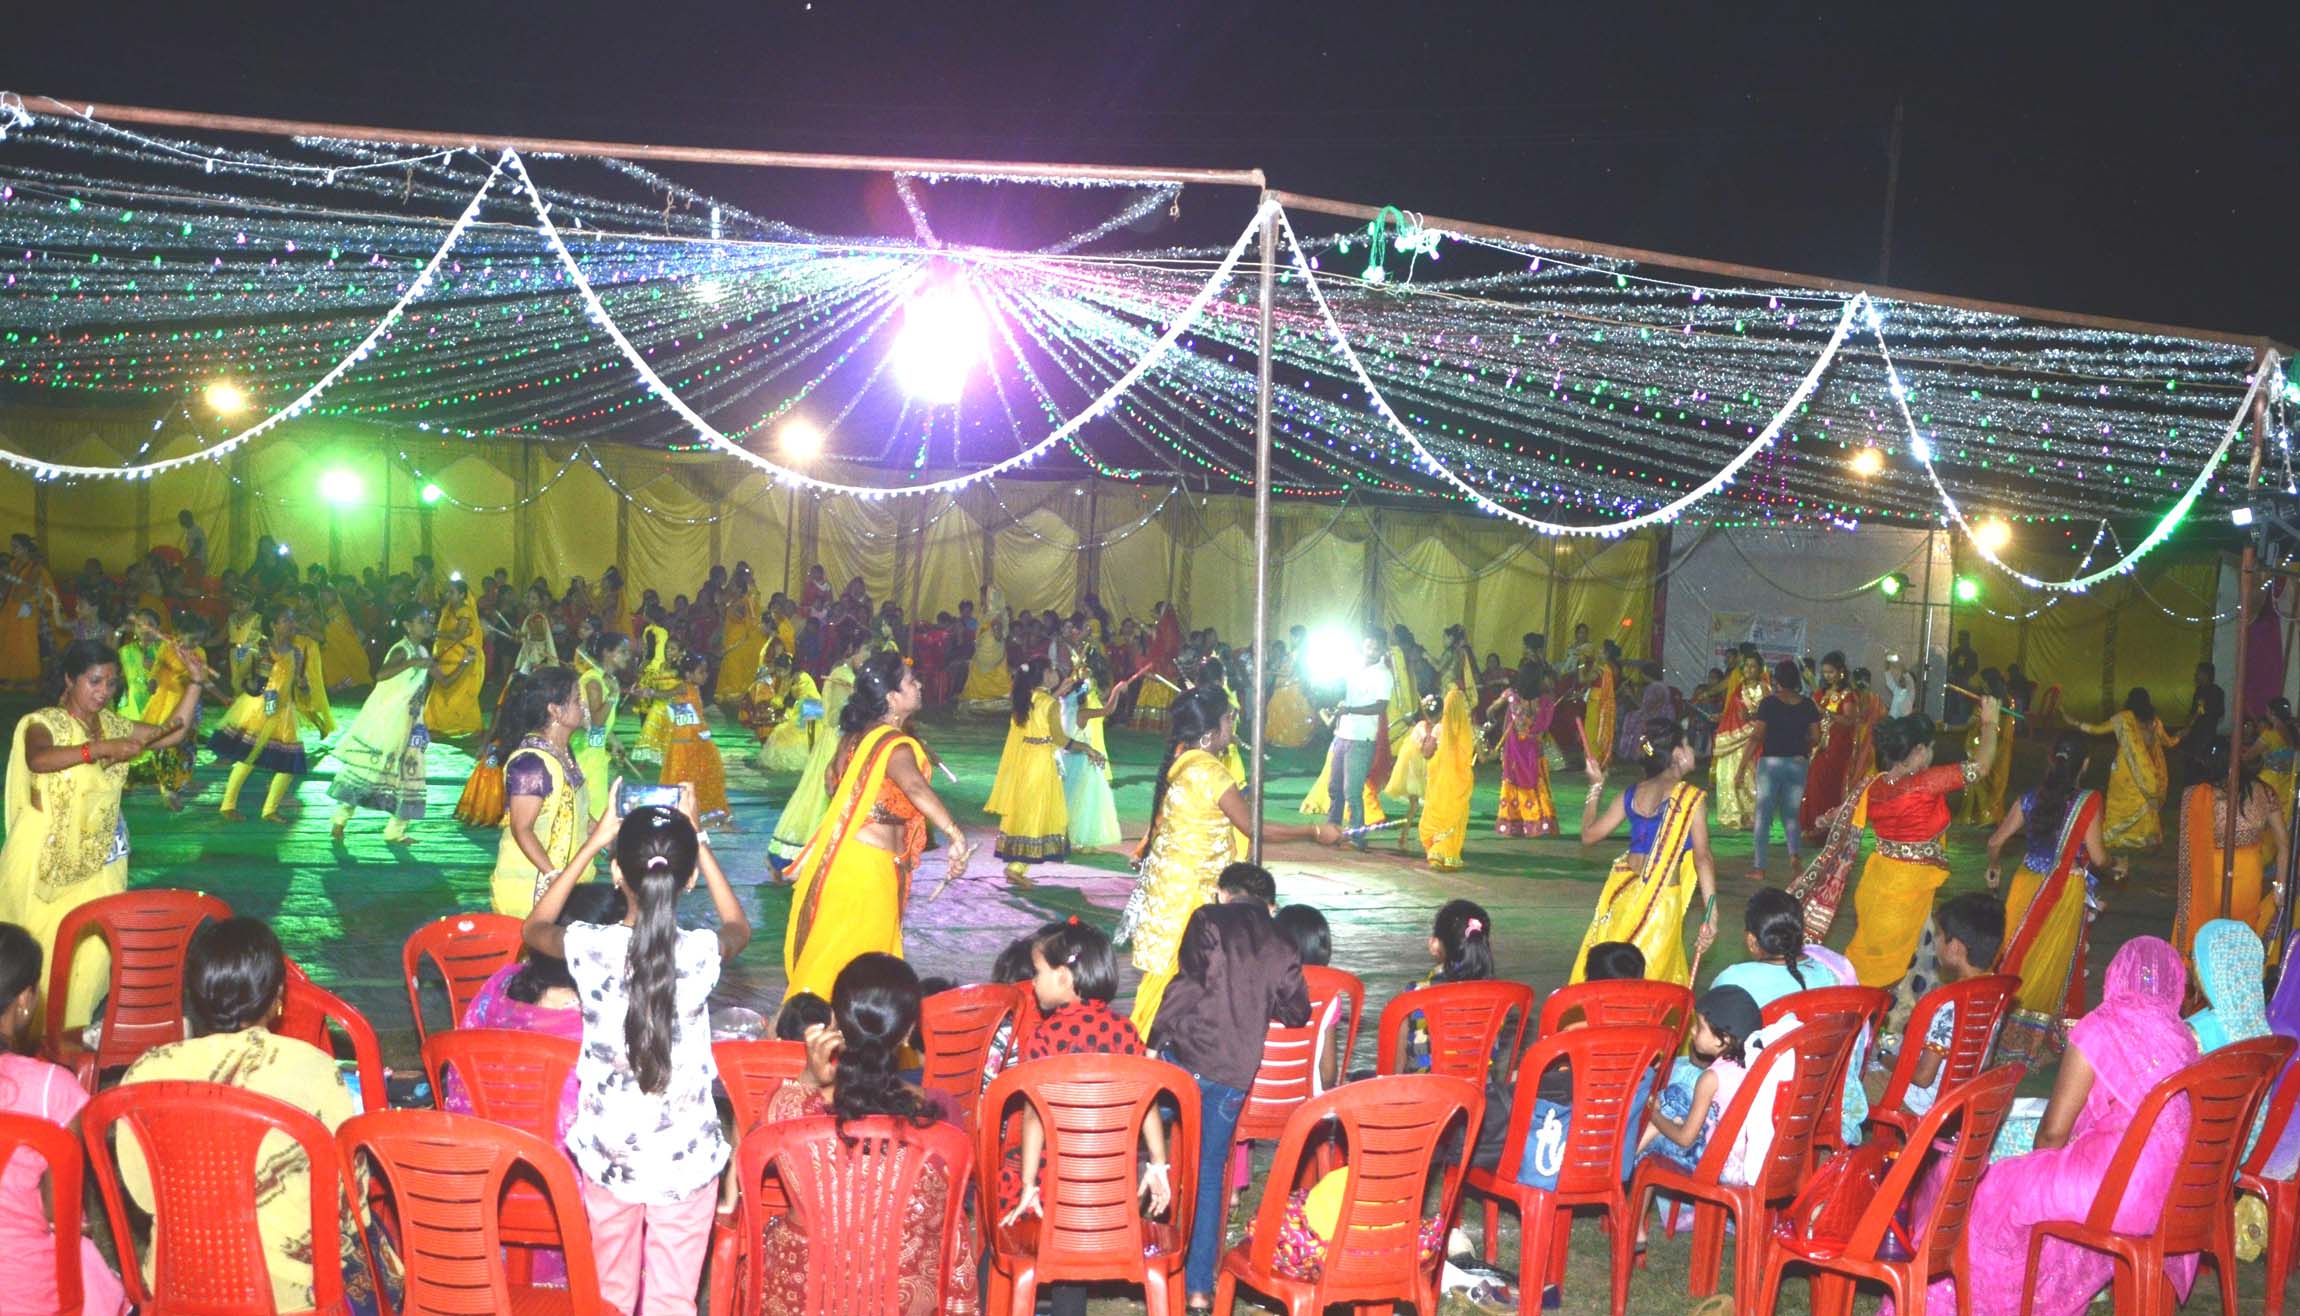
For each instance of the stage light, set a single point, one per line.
(342, 487)
(1891, 585)
(943, 336)
(283, 550)
(801, 440)
(1867, 462)
(226, 399)
(1330, 655)
(1992, 535)
(454, 576)
(710, 292)
(2241, 517)
(432, 493)
(1968, 590)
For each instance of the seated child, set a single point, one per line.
(1703, 1082)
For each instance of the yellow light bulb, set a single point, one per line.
(226, 399)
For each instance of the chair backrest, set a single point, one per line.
(146, 932)
(54, 1145)
(1820, 1048)
(1619, 1001)
(2221, 1091)
(1864, 1007)
(1326, 984)
(850, 1191)
(1608, 1061)
(752, 1070)
(1389, 1129)
(514, 1077)
(310, 1013)
(1465, 1022)
(446, 1175)
(1979, 1105)
(1980, 1005)
(203, 1146)
(1092, 1108)
(2283, 1099)
(465, 950)
(958, 1027)
(1026, 1013)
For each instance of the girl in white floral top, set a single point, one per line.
(646, 1135)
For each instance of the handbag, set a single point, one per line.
(1830, 1204)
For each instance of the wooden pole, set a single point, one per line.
(2246, 582)
(1255, 769)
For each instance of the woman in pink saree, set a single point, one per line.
(2130, 1042)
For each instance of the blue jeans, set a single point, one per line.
(1218, 1111)
(1347, 763)
(1780, 790)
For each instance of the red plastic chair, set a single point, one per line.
(203, 1143)
(750, 1071)
(146, 933)
(310, 1013)
(1389, 1128)
(465, 950)
(958, 1027)
(1977, 1107)
(1465, 1022)
(1980, 1005)
(447, 1176)
(849, 1189)
(2281, 1195)
(1866, 1007)
(63, 1155)
(1800, 1107)
(1092, 1108)
(1026, 1013)
(1619, 1001)
(1326, 985)
(1608, 1060)
(514, 1078)
(2222, 1091)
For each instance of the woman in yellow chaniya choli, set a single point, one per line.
(311, 702)
(67, 842)
(599, 683)
(1649, 889)
(742, 640)
(810, 795)
(1983, 802)
(987, 678)
(676, 731)
(1732, 755)
(1452, 778)
(244, 631)
(852, 881)
(660, 661)
(2137, 779)
(1601, 711)
(178, 657)
(546, 814)
(2278, 750)
(1197, 822)
(801, 723)
(29, 604)
(1034, 815)
(340, 645)
(262, 728)
(1290, 723)
(451, 710)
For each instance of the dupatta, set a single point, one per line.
(851, 807)
(2070, 850)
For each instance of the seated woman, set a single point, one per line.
(43, 1091)
(2128, 1043)
(235, 980)
(537, 995)
(851, 1074)
(1781, 964)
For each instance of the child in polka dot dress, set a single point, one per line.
(1075, 978)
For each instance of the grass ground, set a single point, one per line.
(343, 909)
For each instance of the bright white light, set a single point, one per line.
(1993, 535)
(283, 550)
(1329, 655)
(710, 292)
(2242, 516)
(226, 399)
(943, 336)
(801, 440)
(1868, 461)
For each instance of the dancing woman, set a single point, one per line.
(379, 761)
(67, 841)
(599, 681)
(2255, 887)
(1649, 889)
(1085, 786)
(1984, 800)
(803, 812)
(1034, 816)
(2046, 919)
(1527, 808)
(1198, 821)
(1601, 709)
(545, 819)
(1733, 755)
(452, 708)
(177, 659)
(1906, 805)
(260, 729)
(853, 878)
(1833, 765)
(2137, 780)
(1452, 779)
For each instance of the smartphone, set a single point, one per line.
(644, 797)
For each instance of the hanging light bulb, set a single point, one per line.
(226, 398)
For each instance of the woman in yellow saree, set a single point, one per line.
(742, 640)
(1984, 801)
(1733, 757)
(853, 878)
(2137, 780)
(340, 645)
(29, 604)
(545, 816)
(67, 842)
(1650, 889)
(1452, 778)
(987, 678)
(1601, 710)
(2253, 888)
(2045, 913)
(451, 710)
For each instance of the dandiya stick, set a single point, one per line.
(2003, 709)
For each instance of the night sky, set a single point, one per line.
(2101, 158)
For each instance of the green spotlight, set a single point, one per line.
(432, 493)
(1968, 590)
(342, 487)
(1891, 586)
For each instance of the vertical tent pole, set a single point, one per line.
(2247, 580)
(1262, 512)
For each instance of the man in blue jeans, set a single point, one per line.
(1361, 721)
(1238, 973)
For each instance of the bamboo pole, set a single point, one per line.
(2246, 582)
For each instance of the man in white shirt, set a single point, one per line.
(195, 539)
(1900, 688)
(1362, 720)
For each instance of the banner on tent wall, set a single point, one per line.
(1775, 637)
